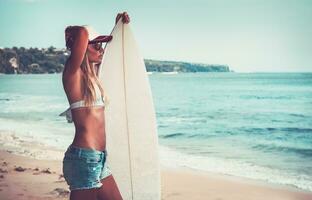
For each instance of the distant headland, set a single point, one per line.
(51, 60)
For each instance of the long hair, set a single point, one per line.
(90, 80)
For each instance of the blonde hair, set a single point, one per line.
(90, 79)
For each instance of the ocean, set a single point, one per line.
(253, 125)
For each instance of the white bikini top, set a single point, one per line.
(79, 104)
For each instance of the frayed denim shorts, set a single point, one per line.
(84, 168)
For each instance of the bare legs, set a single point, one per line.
(84, 194)
(108, 191)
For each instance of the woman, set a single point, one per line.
(84, 166)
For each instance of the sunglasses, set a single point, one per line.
(97, 46)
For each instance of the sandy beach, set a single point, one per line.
(27, 178)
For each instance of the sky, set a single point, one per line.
(246, 35)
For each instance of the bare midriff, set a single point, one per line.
(89, 128)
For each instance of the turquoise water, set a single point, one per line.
(255, 125)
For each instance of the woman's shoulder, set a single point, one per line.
(68, 69)
(71, 79)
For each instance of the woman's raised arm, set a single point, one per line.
(77, 41)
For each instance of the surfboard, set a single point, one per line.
(130, 120)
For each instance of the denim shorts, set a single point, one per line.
(84, 168)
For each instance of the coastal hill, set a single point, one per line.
(51, 60)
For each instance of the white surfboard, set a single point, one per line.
(131, 129)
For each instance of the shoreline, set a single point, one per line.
(24, 177)
(238, 179)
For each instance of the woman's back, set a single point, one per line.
(89, 121)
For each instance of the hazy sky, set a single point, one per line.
(247, 35)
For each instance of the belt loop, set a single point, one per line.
(104, 156)
(79, 153)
